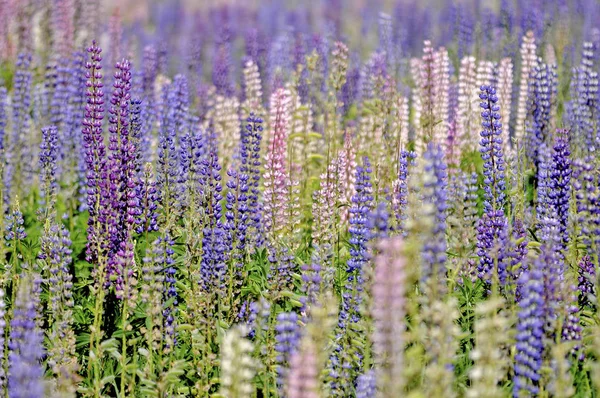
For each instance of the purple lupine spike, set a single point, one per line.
(3, 118)
(560, 177)
(170, 293)
(221, 75)
(492, 238)
(571, 327)
(530, 333)
(377, 222)
(586, 281)
(48, 167)
(312, 279)
(258, 318)
(95, 155)
(136, 132)
(366, 385)
(543, 86)
(584, 90)
(251, 140)
(148, 196)
(74, 149)
(287, 336)
(344, 358)
(192, 148)
(59, 105)
(213, 264)
(25, 376)
(517, 252)
(435, 196)
(124, 203)
(400, 199)
(17, 156)
(173, 124)
(237, 222)
(491, 150)
(3, 369)
(150, 70)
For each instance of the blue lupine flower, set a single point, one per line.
(366, 385)
(530, 333)
(491, 150)
(435, 196)
(287, 337)
(26, 375)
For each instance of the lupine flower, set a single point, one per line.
(400, 186)
(276, 175)
(14, 236)
(258, 319)
(3, 118)
(3, 367)
(346, 358)
(586, 280)
(303, 376)
(252, 88)
(213, 264)
(124, 202)
(147, 192)
(492, 238)
(221, 74)
(95, 155)
(236, 224)
(528, 63)
(584, 88)
(48, 159)
(366, 385)
(25, 377)
(491, 361)
(505, 86)
(560, 176)
(571, 328)
(435, 196)
(441, 64)
(585, 187)
(16, 154)
(56, 252)
(288, 338)
(543, 86)
(237, 366)
(485, 74)
(467, 132)
(163, 259)
(253, 135)
(491, 150)
(192, 150)
(312, 279)
(150, 70)
(174, 124)
(530, 333)
(388, 309)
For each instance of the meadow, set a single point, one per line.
(330, 198)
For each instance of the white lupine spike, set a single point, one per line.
(227, 126)
(466, 115)
(528, 62)
(237, 366)
(441, 86)
(252, 88)
(504, 91)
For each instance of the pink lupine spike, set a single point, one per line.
(276, 176)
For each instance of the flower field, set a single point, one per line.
(328, 198)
